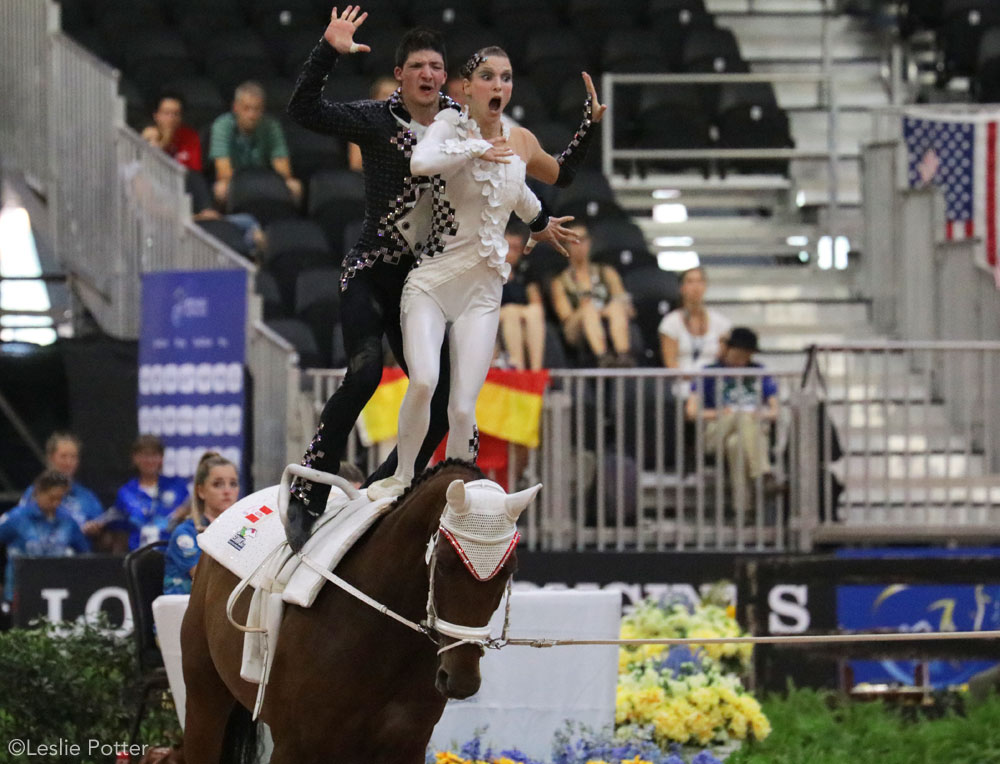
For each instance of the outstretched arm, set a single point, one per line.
(561, 170)
(307, 105)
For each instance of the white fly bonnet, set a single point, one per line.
(480, 521)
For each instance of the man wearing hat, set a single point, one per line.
(734, 410)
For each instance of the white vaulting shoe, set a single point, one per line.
(387, 488)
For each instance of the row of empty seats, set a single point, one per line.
(968, 33)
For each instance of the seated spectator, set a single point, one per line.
(40, 527)
(147, 502)
(247, 137)
(587, 295)
(62, 454)
(382, 88)
(216, 488)
(691, 336)
(169, 133)
(522, 313)
(254, 240)
(736, 410)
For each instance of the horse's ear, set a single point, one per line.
(457, 498)
(516, 503)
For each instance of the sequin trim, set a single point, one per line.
(581, 132)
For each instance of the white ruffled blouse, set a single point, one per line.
(475, 201)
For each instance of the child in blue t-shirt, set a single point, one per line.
(147, 502)
(216, 487)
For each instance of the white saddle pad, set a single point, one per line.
(250, 531)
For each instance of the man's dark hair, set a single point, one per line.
(172, 94)
(420, 38)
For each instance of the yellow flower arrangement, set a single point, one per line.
(680, 695)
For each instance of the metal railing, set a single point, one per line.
(117, 205)
(626, 467)
(909, 442)
(25, 26)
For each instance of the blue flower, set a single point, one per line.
(705, 757)
(471, 748)
(673, 759)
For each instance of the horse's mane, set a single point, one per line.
(436, 470)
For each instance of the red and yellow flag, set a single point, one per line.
(509, 406)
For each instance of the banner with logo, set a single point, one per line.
(919, 608)
(192, 347)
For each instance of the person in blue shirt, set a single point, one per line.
(62, 453)
(40, 527)
(735, 410)
(216, 487)
(147, 502)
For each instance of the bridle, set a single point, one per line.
(433, 626)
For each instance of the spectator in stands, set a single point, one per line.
(169, 133)
(691, 336)
(522, 313)
(736, 411)
(587, 295)
(41, 527)
(382, 88)
(62, 454)
(216, 488)
(146, 502)
(246, 138)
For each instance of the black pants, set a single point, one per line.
(369, 308)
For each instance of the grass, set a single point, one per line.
(820, 728)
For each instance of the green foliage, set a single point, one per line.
(811, 727)
(74, 684)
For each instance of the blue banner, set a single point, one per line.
(919, 609)
(192, 347)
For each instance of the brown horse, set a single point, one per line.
(348, 683)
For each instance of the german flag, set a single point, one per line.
(509, 406)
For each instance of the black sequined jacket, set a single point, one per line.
(386, 145)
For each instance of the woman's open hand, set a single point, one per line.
(597, 108)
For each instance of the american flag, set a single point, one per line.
(958, 154)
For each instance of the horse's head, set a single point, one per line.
(471, 559)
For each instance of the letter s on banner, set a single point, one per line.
(789, 614)
(93, 607)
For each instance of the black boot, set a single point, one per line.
(307, 500)
(305, 505)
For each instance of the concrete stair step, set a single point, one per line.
(930, 512)
(811, 129)
(851, 93)
(767, 6)
(764, 315)
(949, 466)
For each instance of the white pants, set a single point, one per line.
(470, 303)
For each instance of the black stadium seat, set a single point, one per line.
(654, 292)
(552, 56)
(442, 14)
(262, 193)
(293, 246)
(317, 302)
(336, 198)
(228, 233)
(301, 337)
(710, 49)
(634, 50)
(267, 287)
(312, 152)
(749, 117)
(526, 105)
(965, 22)
(988, 69)
(235, 57)
(619, 243)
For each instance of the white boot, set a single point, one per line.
(387, 488)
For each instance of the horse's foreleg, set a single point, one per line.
(208, 701)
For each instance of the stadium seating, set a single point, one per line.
(261, 193)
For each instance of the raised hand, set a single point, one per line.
(597, 108)
(555, 234)
(340, 31)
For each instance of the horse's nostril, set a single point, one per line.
(442, 678)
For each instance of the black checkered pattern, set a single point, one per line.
(443, 222)
(301, 487)
(474, 444)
